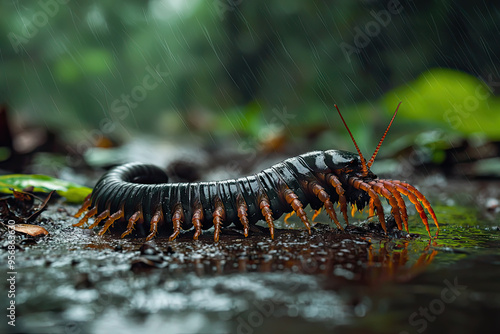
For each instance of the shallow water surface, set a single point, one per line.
(360, 280)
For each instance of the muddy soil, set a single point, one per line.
(355, 281)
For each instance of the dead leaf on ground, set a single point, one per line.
(28, 229)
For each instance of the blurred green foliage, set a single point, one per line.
(73, 193)
(454, 100)
(72, 65)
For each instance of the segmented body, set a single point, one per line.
(140, 197)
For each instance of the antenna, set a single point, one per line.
(382, 139)
(363, 161)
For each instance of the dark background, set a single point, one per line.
(243, 73)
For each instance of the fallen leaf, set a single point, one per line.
(32, 230)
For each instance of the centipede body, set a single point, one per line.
(140, 198)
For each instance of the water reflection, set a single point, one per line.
(392, 261)
(328, 253)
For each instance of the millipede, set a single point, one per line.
(140, 196)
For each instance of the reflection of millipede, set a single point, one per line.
(141, 195)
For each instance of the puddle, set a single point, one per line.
(346, 282)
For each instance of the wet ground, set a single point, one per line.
(357, 281)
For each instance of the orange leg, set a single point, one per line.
(92, 212)
(153, 225)
(242, 213)
(288, 216)
(297, 206)
(335, 182)
(316, 214)
(103, 215)
(84, 207)
(359, 184)
(117, 215)
(219, 215)
(177, 219)
(417, 204)
(421, 197)
(379, 188)
(401, 202)
(265, 208)
(320, 192)
(196, 220)
(131, 222)
(371, 212)
(353, 210)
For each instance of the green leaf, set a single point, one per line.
(450, 98)
(73, 192)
